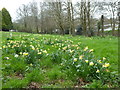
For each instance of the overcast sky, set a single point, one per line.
(13, 5)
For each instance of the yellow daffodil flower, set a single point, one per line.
(99, 61)
(44, 51)
(64, 48)
(86, 48)
(91, 50)
(39, 53)
(86, 61)
(81, 57)
(106, 65)
(75, 59)
(91, 63)
(97, 71)
(25, 54)
(104, 58)
(31, 64)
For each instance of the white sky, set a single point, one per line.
(13, 5)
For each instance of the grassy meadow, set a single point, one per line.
(55, 61)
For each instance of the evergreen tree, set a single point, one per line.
(6, 20)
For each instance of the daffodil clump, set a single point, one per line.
(75, 60)
(83, 63)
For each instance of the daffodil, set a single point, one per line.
(7, 58)
(44, 51)
(106, 65)
(81, 57)
(39, 53)
(97, 71)
(4, 46)
(86, 61)
(75, 59)
(78, 47)
(71, 51)
(20, 52)
(25, 54)
(64, 48)
(33, 48)
(31, 64)
(99, 61)
(91, 63)
(91, 50)
(86, 48)
(16, 55)
(104, 58)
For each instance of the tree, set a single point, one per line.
(112, 7)
(6, 20)
(34, 13)
(88, 16)
(73, 26)
(47, 18)
(23, 13)
(102, 25)
(84, 18)
(70, 12)
(119, 19)
(57, 7)
(98, 26)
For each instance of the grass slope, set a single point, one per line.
(46, 72)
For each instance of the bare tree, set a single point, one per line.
(88, 16)
(73, 26)
(112, 8)
(98, 27)
(69, 17)
(41, 16)
(102, 25)
(23, 13)
(84, 18)
(34, 13)
(57, 7)
(119, 19)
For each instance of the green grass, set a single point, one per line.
(104, 47)
(54, 67)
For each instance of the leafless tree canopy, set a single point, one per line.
(57, 17)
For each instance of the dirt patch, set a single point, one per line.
(34, 85)
(19, 75)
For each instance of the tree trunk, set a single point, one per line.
(102, 24)
(119, 26)
(98, 26)
(84, 18)
(36, 23)
(88, 17)
(73, 27)
(69, 18)
(25, 24)
(58, 16)
(81, 15)
(84, 26)
(113, 27)
(119, 19)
